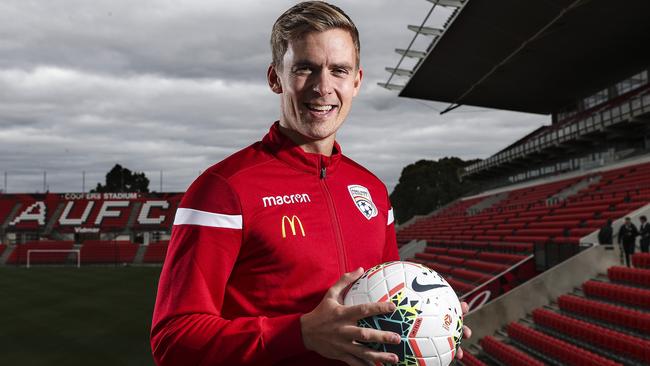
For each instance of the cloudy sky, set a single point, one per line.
(175, 86)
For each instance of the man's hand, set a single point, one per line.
(466, 331)
(331, 328)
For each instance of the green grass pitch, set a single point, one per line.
(69, 316)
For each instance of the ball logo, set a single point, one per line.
(418, 287)
(363, 200)
(446, 321)
(429, 323)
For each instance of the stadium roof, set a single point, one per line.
(533, 56)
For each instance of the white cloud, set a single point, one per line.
(162, 85)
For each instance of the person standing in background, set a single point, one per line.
(605, 233)
(644, 232)
(627, 236)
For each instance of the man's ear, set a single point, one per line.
(357, 81)
(274, 80)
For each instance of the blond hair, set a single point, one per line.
(305, 17)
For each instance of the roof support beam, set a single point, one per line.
(448, 3)
(391, 86)
(400, 72)
(411, 53)
(427, 31)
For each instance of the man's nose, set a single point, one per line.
(323, 83)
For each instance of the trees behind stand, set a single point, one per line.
(426, 185)
(120, 179)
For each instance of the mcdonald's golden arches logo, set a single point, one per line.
(292, 225)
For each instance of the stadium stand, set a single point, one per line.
(548, 193)
(67, 212)
(6, 205)
(471, 360)
(108, 252)
(606, 322)
(641, 260)
(470, 247)
(19, 254)
(104, 227)
(158, 211)
(507, 354)
(155, 252)
(554, 348)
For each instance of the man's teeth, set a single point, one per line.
(320, 108)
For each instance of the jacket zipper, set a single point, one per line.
(338, 237)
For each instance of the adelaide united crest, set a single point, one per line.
(363, 200)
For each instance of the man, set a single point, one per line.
(605, 233)
(260, 239)
(644, 232)
(627, 236)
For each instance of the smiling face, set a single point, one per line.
(316, 83)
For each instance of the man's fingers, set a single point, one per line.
(353, 361)
(467, 332)
(343, 282)
(367, 335)
(460, 354)
(369, 354)
(361, 311)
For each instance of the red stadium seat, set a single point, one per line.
(470, 276)
(560, 350)
(435, 250)
(635, 276)
(19, 254)
(459, 286)
(108, 252)
(470, 360)
(463, 253)
(501, 257)
(641, 260)
(619, 293)
(596, 335)
(614, 314)
(507, 354)
(156, 252)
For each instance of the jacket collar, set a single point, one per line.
(286, 150)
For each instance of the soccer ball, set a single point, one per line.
(428, 316)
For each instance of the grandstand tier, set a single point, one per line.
(156, 252)
(473, 246)
(108, 252)
(607, 322)
(84, 212)
(43, 252)
(89, 252)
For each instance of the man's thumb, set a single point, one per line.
(346, 280)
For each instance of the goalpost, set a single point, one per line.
(76, 251)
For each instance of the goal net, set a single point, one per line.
(33, 255)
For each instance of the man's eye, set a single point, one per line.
(302, 70)
(340, 72)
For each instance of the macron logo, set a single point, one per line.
(286, 199)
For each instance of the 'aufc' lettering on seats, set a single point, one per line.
(286, 199)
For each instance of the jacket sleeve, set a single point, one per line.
(620, 235)
(390, 247)
(601, 235)
(187, 327)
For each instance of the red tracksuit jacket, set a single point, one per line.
(257, 240)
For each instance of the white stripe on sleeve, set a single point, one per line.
(390, 217)
(188, 216)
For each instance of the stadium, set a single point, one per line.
(523, 251)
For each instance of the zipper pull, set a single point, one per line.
(322, 173)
